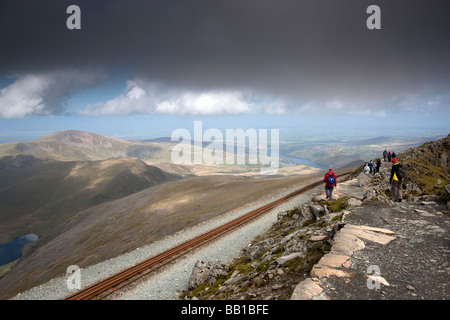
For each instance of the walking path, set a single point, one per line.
(385, 250)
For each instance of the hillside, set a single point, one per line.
(428, 166)
(119, 226)
(38, 195)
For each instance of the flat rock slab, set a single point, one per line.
(428, 203)
(367, 228)
(306, 290)
(333, 260)
(324, 271)
(368, 235)
(318, 238)
(346, 243)
(283, 259)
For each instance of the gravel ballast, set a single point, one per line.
(169, 281)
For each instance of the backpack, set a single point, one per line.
(330, 179)
(401, 173)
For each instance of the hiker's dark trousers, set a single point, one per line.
(396, 190)
(329, 191)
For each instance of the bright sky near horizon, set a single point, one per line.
(144, 68)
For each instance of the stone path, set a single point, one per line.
(385, 250)
(336, 263)
(407, 260)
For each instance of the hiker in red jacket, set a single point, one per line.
(330, 182)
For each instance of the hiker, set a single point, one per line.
(393, 155)
(330, 182)
(385, 155)
(366, 169)
(389, 156)
(378, 165)
(370, 166)
(397, 175)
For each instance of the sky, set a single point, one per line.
(144, 68)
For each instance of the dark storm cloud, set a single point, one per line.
(301, 50)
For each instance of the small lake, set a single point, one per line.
(13, 250)
(302, 161)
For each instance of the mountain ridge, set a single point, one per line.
(74, 145)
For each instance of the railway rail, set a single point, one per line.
(104, 288)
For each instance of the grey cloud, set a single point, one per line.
(296, 51)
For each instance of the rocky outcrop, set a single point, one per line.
(205, 272)
(428, 168)
(272, 265)
(436, 153)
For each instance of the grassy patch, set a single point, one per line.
(308, 223)
(426, 176)
(6, 267)
(336, 205)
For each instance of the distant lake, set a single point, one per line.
(13, 250)
(302, 161)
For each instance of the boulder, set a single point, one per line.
(318, 210)
(256, 250)
(205, 272)
(306, 212)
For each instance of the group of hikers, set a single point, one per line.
(398, 175)
(372, 167)
(388, 156)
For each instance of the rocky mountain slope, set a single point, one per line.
(359, 246)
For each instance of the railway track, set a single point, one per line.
(104, 288)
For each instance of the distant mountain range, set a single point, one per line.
(373, 141)
(71, 145)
